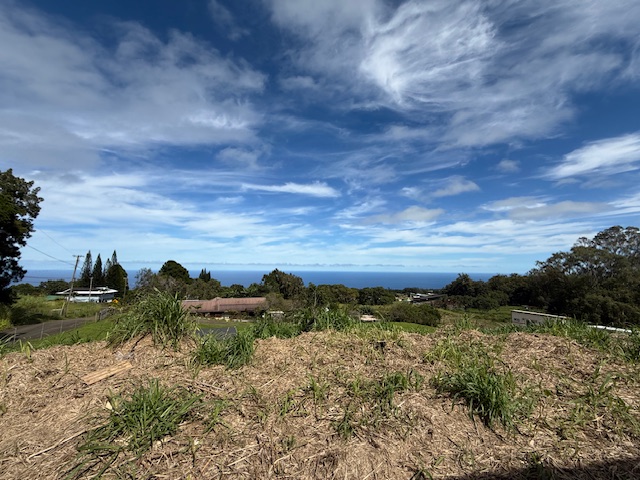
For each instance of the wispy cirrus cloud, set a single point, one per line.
(462, 61)
(413, 214)
(455, 186)
(315, 189)
(224, 19)
(66, 98)
(603, 157)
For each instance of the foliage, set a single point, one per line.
(51, 287)
(135, 422)
(288, 285)
(173, 269)
(86, 271)
(312, 319)
(97, 273)
(596, 280)
(471, 375)
(330, 295)
(204, 275)
(32, 309)
(267, 328)
(621, 345)
(158, 314)
(375, 296)
(488, 393)
(234, 352)
(19, 207)
(116, 277)
(422, 314)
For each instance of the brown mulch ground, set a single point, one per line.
(581, 426)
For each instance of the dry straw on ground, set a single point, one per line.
(296, 411)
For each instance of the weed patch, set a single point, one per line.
(160, 315)
(471, 376)
(234, 352)
(149, 414)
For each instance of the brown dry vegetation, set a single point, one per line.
(295, 411)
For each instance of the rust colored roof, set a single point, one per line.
(220, 305)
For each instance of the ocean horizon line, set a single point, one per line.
(349, 278)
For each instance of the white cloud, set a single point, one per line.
(524, 209)
(63, 93)
(223, 18)
(513, 203)
(239, 157)
(316, 189)
(508, 166)
(455, 186)
(604, 157)
(463, 61)
(411, 214)
(298, 82)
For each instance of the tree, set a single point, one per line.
(86, 271)
(98, 273)
(173, 269)
(597, 280)
(286, 284)
(117, 278)
(375, 296)
(204, 275)
(19, 207)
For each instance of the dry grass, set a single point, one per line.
(331, 405)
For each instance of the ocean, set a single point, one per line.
(353, 279)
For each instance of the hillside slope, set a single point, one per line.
(331, 405)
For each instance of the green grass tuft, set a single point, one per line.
(135, 422)
(234, 352)
(158, 314)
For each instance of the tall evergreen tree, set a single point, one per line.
(98, 274)
(114, 258)
(86, 271)
(116, 277)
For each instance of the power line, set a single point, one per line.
(50, 256)
(54, 241)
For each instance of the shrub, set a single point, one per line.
(267, 328)
(158, 314)
(233, 352)
(489, 394)
(135, 422)
(422, 314)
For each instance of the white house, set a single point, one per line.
(96, 294)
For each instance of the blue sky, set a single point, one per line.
(445, 136)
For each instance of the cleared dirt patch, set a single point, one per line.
(332, 405)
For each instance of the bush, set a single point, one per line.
(422, 314)
(158, 314)
(267, 328)
(135, 422)
(487, 393)
(234, 352)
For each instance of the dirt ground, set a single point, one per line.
(292, 412)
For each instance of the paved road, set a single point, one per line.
(41, 330)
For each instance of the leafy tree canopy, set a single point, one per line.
(287, 284)
(173, 269)
(19, 206)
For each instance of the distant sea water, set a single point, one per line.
(392, 280)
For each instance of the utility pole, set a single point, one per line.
(65, 307)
